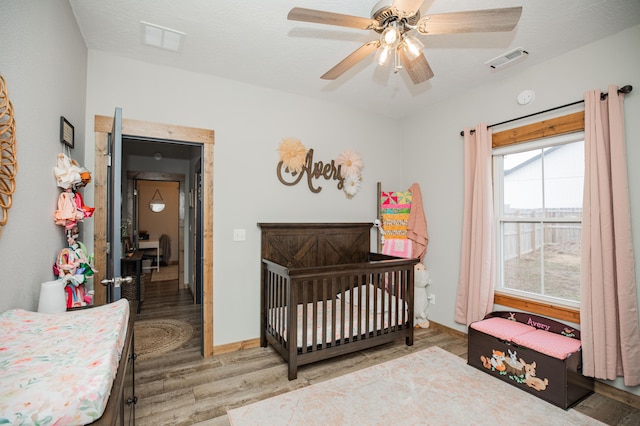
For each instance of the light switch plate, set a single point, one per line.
(239, 235)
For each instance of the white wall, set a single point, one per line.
(434, 149)
(43, 60)
(249, 124)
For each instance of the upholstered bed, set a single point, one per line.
(325, 294)
(69, 368)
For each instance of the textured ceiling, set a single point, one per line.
(253, 42)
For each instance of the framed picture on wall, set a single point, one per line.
(66, 132)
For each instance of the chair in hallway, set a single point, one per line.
(165, 249)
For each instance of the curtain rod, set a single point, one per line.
(624, 89)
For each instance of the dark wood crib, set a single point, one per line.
(324, 294)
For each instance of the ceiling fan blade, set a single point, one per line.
(348, 62)
(418, 68)
(488, 20)
(330, 18)
(406, 8)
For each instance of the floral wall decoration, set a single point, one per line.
(293, 154)
(350, 165)
(296, 161)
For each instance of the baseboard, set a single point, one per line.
(619, 395)
(236, 346)
(448, 330)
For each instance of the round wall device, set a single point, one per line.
(526, 97)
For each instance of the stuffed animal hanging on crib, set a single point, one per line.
(422, 280)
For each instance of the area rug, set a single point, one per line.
(166, 273)
(156, 337)
(430, 387)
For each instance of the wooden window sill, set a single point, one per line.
(545, 309)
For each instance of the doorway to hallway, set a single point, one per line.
(162, 134)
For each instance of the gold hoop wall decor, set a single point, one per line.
(9, 162)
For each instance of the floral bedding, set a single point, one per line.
(57, 369)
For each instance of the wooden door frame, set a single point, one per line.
(168, 132)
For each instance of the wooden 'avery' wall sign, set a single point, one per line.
(312, 171)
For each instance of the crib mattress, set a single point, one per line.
(343, 329)
(59, 368)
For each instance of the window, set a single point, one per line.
(538, 207)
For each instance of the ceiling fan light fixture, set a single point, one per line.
(390, 36)
(383, 53)
(412, 46)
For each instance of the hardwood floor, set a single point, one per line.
(182, 388)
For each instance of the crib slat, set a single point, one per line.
(305, 316)
(285, 331)
(315, 317)
(331, 332)
(386, 283)
(405, 297)
(342, 321)
(354, 314)
(292, 297)
(276, 314)
(393, 314)
(373, 309)
(274, 303)
(268, 302)
(324, 314)
(398, 306)
(352, 282)
(281, 303)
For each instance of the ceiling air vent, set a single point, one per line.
(506, 58)
(162, 37)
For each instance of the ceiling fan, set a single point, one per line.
(394, 20)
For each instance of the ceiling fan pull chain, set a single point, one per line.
(397, 65)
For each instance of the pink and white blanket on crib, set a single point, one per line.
(398, 247)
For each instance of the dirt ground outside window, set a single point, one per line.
(561, 271)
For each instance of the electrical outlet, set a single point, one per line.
(239, 235)
(432, 299)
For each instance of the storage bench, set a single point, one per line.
(536, 354)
